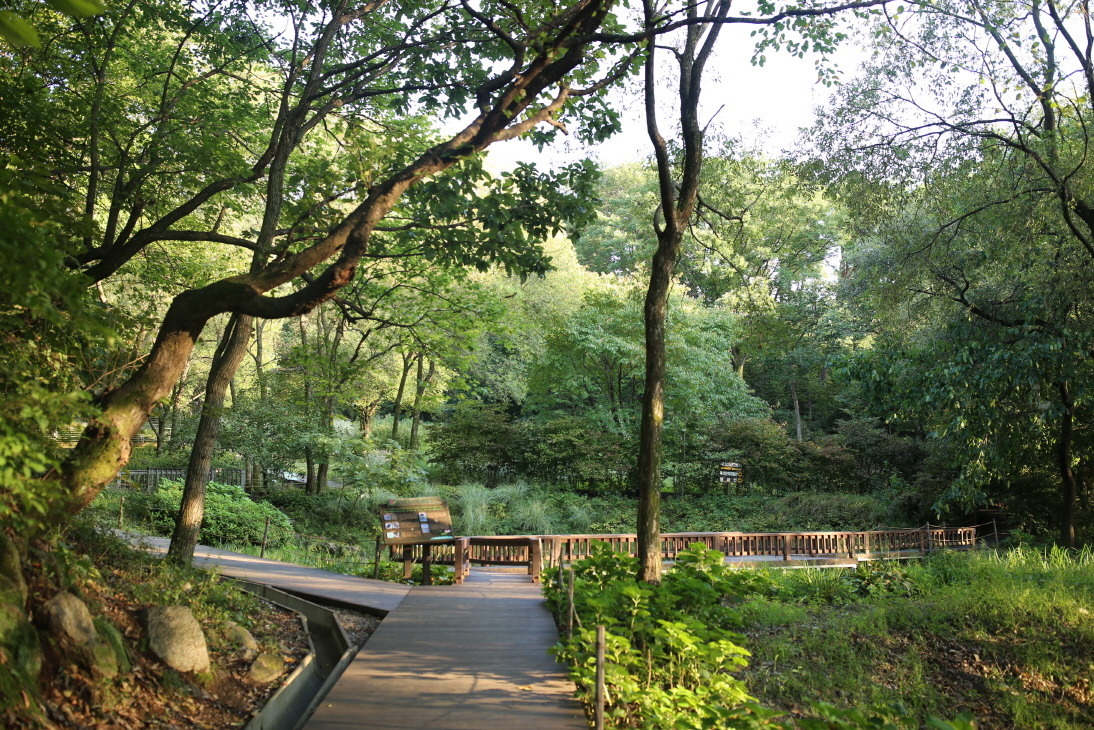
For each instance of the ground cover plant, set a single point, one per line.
(1005, 638)
(43, 684)
(231, 516)
(1008, 636)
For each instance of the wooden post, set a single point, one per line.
(408, 562)
(376, 565)
(928, 537)
(535, 558)
(866, 543)
(570, 605)
(265, 535)
(427, 564)
(995, 533)
(786, 546)
(922, 543)
(459, 546)
(601, 641)
(121, 513)
(556, 552)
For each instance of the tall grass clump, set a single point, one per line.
(473, 514)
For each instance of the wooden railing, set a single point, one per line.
(785, 545)
(530, 549)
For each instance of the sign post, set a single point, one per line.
(421, 521)
(730, 473)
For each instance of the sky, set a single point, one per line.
(765, 106)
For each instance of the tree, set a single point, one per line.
(521, 68)
(678, 183)
(974, 198)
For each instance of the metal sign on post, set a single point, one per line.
(415, 521)
(730, 472)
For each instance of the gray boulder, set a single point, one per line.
(267, 667)
(70, 620)
(241, 640)
(175, 636)
(73, 628)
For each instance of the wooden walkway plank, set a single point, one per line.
(469, 657)
(372, 596)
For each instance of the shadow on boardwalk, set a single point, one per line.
(472, 656)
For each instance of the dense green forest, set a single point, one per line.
(269, 237)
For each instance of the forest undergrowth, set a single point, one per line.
(1003, 639)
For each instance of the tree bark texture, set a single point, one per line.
(1068, 485)
(408, 362)
(797, 411)
(419, 391)
(229, 354)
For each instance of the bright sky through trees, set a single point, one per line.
(765, 106)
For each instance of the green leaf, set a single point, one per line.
(77, 8)
(17, 31)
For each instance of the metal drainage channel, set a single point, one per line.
(307, 685)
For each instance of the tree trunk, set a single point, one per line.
(1067, 475)
(309, 479)
(328, 427)
(653, 412)
(232, 348)
(797, 410)
(419, 391)
(408, 361)
(367, 414)
(738, 358)
(677, 203)
(176, 401)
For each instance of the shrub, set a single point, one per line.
(671, 651)
(230, 515)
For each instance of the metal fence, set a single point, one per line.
(148, 480)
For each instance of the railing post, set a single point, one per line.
(601, 641)
(866, 543)
(786, 546)
(427, 564)
(457, 558)
(570, 605)
(376, 565)
(535, 558)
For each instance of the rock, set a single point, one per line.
(101, 660)
(70, 621)
(11, 567)
(267, 667)
(175, 636)
(72, 626)
(241, 640)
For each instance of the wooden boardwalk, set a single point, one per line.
(372, 596)
(466, 657)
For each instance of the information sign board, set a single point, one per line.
(414, 521)
(730, 472)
